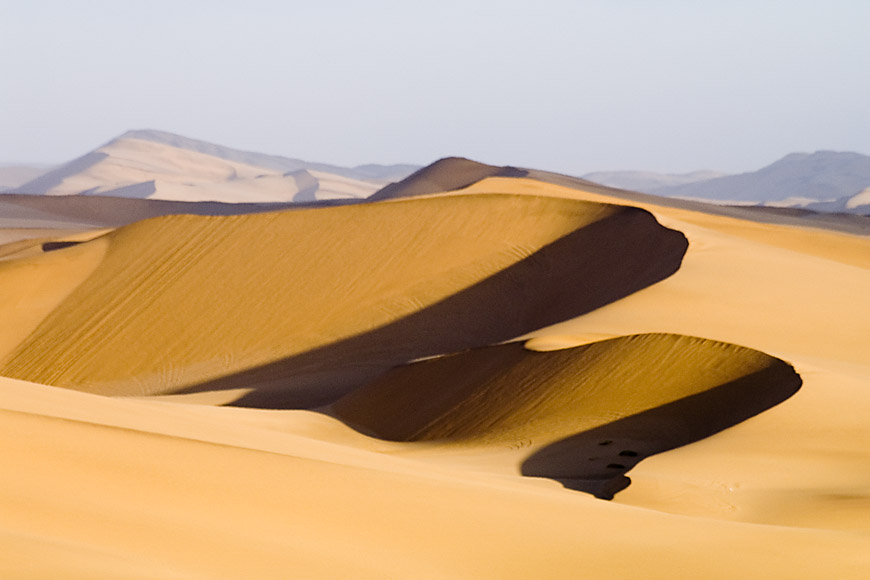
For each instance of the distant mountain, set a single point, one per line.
(796, 179)
(151, 164)
(457, 173)
(649, 181)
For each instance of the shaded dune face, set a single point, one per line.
(300, 307)
(590, 413)
(445, 174)
(584, 270)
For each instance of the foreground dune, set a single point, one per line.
(301, 305)
(163, 491)
(795, 293)
(586, 414)
(441, 468)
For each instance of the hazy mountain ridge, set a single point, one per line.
(822, 176)
(824, 181)
(649, 181)
(152, 164)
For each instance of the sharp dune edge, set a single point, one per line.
(471, 463)
(596, 409)
(177, 302)
(444, 175)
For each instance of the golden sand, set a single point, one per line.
(483, 459)
(183, 301)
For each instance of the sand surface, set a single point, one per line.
(438, 387)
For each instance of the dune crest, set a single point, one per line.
(590, 412)
(335, 296)
(446, 174)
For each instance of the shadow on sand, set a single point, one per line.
(597, 460)
(587, 269)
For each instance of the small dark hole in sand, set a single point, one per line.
(628, 453)
(607, 442)
(52, 246)
(593, 459)
(615, 466)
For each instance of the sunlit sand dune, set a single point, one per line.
(306, 303)
(165, 491)
(484, 353)
(601, 408)
(795, 293)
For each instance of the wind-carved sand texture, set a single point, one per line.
(589, 413)
(424, 388)
(178, 303)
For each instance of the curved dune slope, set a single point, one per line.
(445, 174)
(299, 306)
(597, 409)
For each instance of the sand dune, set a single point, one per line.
(402, 280)
(167, 491)
(458, 174)
(138, 167)
(444, 175)
(623, 312)
(587, 414)
(792, 292)
(507, 393)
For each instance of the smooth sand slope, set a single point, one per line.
(299, 305)
(450, 471)
(165, 491)
(588, 413)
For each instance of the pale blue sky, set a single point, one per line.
(568, 86)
